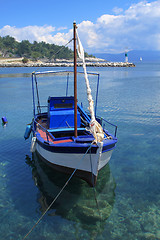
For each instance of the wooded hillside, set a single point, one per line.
(9, 47)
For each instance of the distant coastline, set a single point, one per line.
(91, 62)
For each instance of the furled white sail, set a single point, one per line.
(95, 127)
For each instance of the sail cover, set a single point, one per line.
(95, 127)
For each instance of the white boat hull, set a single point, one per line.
(86, 166)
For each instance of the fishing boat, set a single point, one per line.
(65, 136)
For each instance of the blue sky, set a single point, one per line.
(104, 26)
(56, 12)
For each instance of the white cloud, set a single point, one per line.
(61, 38)
(31, 33)
(107, 19)
(136, 28)
(61, 28)
(117, 10)
(88, 34)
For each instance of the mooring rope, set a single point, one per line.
(95, 197)
(56, 196)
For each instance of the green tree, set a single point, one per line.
(9, 42)
(35, 50)
(35, 56)
(24, 48)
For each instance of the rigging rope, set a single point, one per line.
(57, 51)
(56, 195)
(63, 47)
(95, 128)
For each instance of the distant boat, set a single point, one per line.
(66, 137)
(140, 59)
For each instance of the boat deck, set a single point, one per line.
(51, 139)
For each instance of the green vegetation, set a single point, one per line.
(25, 60)
(9, 47)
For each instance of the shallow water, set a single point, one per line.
(128, 189)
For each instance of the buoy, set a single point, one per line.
(28, 131)
(4, 120)
(33, 144)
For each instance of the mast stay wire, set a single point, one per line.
(58, 51)
(63, 46)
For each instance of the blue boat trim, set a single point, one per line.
(52, 130)
(66, 148)
(74, 147)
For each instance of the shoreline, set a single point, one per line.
(66, 64)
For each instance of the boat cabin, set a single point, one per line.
(61, 113)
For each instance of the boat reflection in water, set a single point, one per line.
(77, 201)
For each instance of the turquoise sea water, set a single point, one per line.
(128, 188)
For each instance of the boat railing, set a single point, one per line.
(48, 134)
(39, 108)
(103, 121)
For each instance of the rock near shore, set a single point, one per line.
(63, 63)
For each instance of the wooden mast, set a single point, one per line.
(75, 80)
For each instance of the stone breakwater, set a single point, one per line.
(66, 64)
